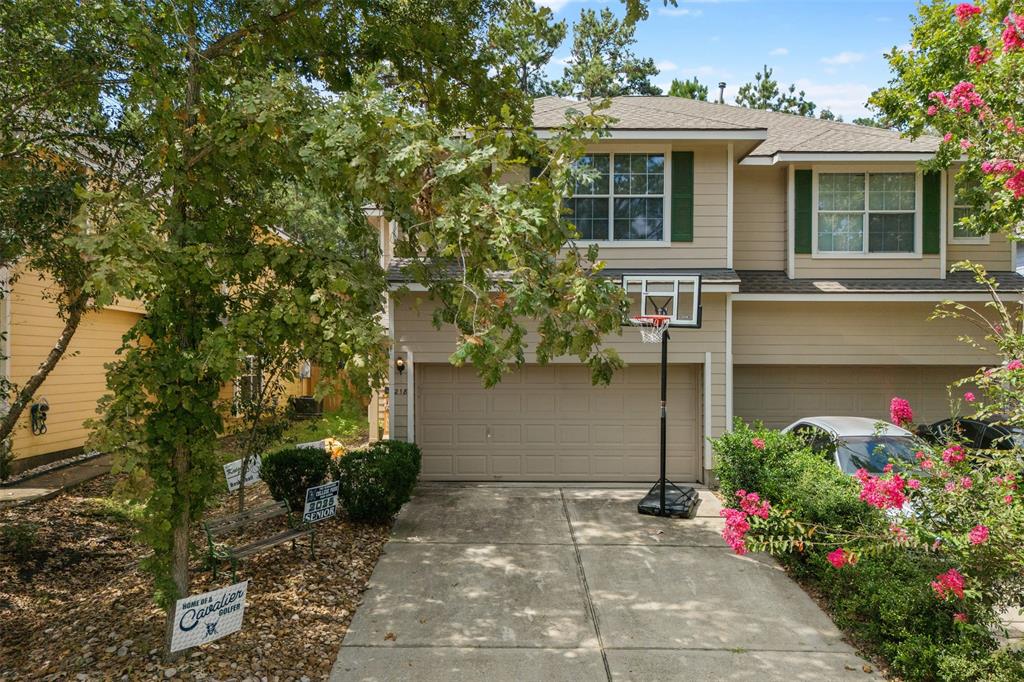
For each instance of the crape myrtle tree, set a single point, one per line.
(963, 77)
(257, 134)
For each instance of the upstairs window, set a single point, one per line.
(867, 213)
(962, 208)
(625, 202)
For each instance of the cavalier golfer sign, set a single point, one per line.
(233, 473)
(321, 502)
(205, 617)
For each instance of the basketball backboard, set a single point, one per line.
(677, 296)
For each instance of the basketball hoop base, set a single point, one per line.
(679, 502)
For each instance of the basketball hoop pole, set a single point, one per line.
(664, 415)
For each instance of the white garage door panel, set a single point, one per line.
(550, 423)
(779, 395)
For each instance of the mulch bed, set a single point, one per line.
(77, 606)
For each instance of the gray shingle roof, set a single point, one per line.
(776, 282)
(398, 275)
(786, 132)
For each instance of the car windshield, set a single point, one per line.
(874, 452)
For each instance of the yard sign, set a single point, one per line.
(321, 502)
(233, 471)
(208, 616)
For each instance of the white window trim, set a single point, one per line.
(951, 215)
(666, 196)
(865, 254)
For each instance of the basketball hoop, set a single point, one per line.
(652, 327)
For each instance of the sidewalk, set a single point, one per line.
(51, 483)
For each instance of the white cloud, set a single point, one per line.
(562, 61)
(555, 5)
(847, 99)
(780, 51)
(680, 12)
(666, 66)
(843, 58)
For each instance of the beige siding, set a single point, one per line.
(759, 218)
(708, 248)
(808, 266)
(994, 256)
(837, 333)
(415, 332)
(78, 380)
(778, 395)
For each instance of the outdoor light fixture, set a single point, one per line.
(400, 365)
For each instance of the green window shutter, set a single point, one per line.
(803, 208)
(682, 197)
(931, 212)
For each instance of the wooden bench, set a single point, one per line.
(219, 527)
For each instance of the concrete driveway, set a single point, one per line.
(545, 583)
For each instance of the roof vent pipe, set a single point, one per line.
(721, 92)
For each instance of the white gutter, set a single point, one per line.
(728, 362)
(791, 222)
(862, 297)
(410, 398)
(705, 446)
(851, 157)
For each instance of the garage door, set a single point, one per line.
(550, 424)
(779, 395)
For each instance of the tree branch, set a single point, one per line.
(222, 44)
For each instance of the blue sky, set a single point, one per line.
(832, 49)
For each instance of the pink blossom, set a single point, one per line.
(884, 493)
(887, 468)
(913, 484)
(900, 412)
(965, 10)
(899, 532)
(947, 137)
(965, 144)
(927, 464)
(757, 443)
(751, 504)
(953, 454)
(932, 110)
(959, 617)
(919, 455)
(979, 55)
(963, 97)
(970, 397)
(950, 487)
(966, 483)
(978, 535)
(950, 581)
(998, 167)
(1008, 499)
(1016, 184)
(1013, 365)
(1013, 34)
(736, 527)
(839, 557)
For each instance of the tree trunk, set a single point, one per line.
(25, 394)
(179, 549)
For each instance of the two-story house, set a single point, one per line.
(823, 250)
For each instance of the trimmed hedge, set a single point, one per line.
(290, 471)
(378, 479)
(885, 602)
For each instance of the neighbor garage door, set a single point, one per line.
(550, 424)
(779, 395)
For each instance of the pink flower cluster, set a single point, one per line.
(757, 443)
(900, 532)
(839, 557)
(884, 493)
(970, 397)
(962, 97)
(965, 10)
(737, 521)
(959, 617)
(953, 454)
(979, 55)
(1015, 183)
(978, 535)
(1013, 34)
(900, 412)
(949, 582)
(1014, 365)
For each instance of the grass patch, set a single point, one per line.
(346, 424)
(113, 509)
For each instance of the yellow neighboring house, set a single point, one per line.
(32, 326)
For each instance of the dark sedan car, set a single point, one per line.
(985, 434)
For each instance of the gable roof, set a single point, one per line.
(785, 135)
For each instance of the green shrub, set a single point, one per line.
(289, 472)
(739, 465)
(20, 539)
(377, 480)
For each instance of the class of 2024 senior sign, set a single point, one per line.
(205, 617)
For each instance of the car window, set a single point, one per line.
(874, 452)
(819, 440)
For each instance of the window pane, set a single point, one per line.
(891, 191)
(841, 191)
(598, 163)
(840, 232)
(590, 216)
(960, 212)
(639, 174)
(640, 219)
(891, 233)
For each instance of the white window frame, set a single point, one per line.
(864, 253)
(951, 205)
(666, 197)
